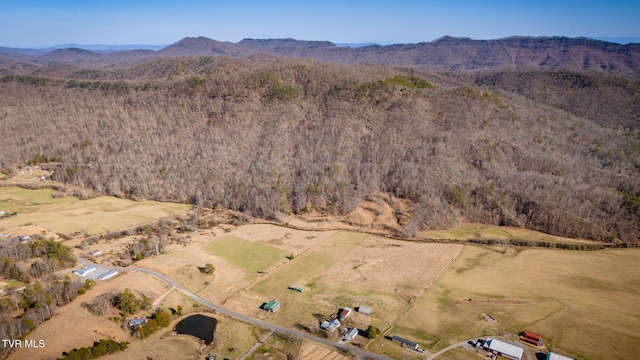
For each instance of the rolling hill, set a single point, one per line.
(444, 54)
(517, 131)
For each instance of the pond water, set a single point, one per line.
(199, 326)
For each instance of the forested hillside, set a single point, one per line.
(270, 136)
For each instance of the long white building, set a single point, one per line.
(85, 270)
(503, 349)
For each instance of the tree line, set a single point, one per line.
(36, 303)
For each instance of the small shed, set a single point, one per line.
(503, 349)
(296, 288)
(271, 306)
(364, 310)
(351, 334)
(532, 338)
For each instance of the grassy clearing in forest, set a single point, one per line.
(575, 299)
(69, 214)
(25, 201)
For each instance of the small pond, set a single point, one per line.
(199, 326)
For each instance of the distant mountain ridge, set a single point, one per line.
(444, 54)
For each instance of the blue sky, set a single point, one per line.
(47, 22)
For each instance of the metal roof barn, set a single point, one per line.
(554, 356)
(504, 349)
(272, 306)
(85, 270)
(108, 274)
(365, 310)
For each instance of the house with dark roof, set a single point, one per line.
(406, 343)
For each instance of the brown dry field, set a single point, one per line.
(362, 266)
(314, 351)
(31, 230)
(280, 237)
(355, 279)
(161, 346)
(181, 262)
(73, 326)
(577, 300)
(181, 265)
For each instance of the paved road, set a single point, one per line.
(248, 319)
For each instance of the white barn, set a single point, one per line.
(503, 349)
(85, 270)
(351, 334)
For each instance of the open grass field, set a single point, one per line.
(384, 346)
(181, 264)
(314, 351)
(584, 304)
(69, 214)
(249, 256)
(234, 338)
(26, 201)
(290, 240)
(483, 231)
(160, 346)
(308, 265)
(278, 347)
(348, 270)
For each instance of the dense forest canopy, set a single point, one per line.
(270, 136)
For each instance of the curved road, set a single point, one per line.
(248, 319)
(450, 347)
